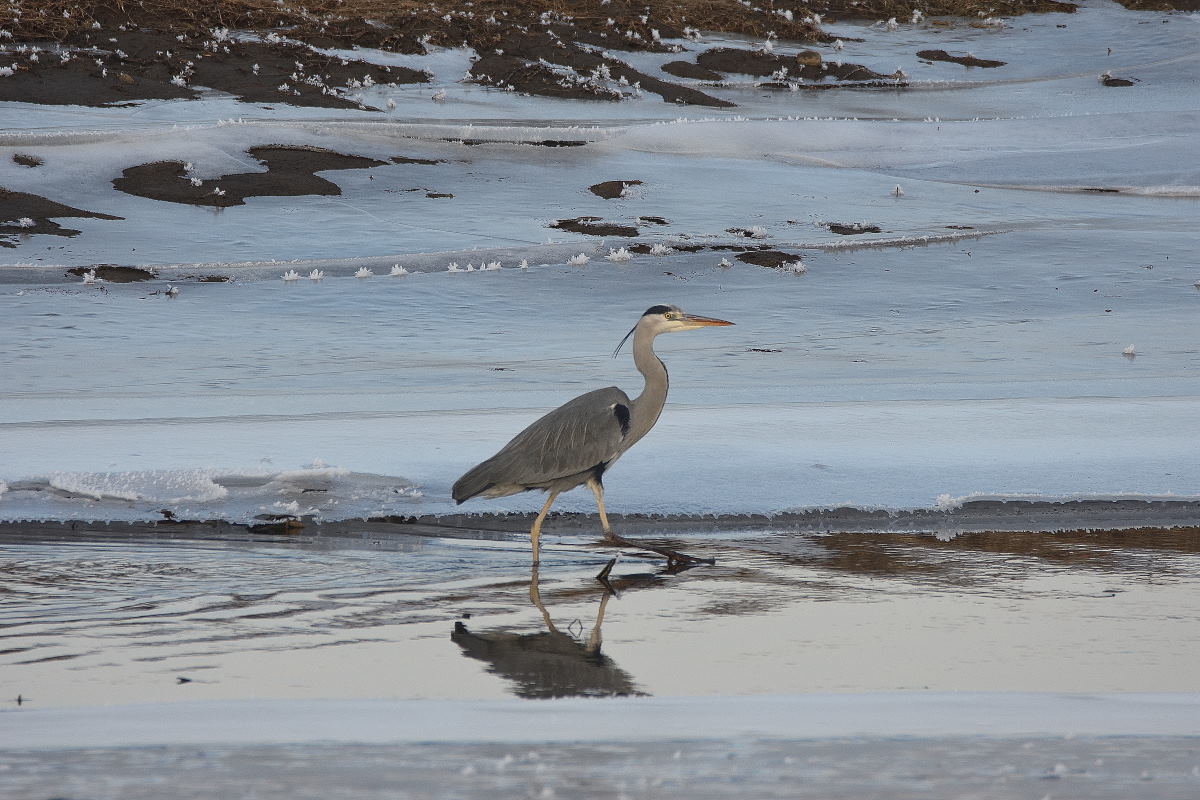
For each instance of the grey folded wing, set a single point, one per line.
(558, 451)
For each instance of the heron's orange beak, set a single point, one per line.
(701, 322)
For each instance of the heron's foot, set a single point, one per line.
(676, 561)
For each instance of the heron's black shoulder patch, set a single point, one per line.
(656, 310)
(621, 412)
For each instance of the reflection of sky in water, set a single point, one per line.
(121, 621)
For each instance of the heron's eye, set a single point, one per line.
(671, 315)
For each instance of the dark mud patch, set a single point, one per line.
(27, 161)
(610, 190)
(535, 143)
(686, 69)
(1161, 5)
(511, 72)
(290, 173)
(807, 65)
(143, 47)
(107, 67)
(22, 213)
(81, 82)
(654, 220)
(438, 195)
(1109, 80)
(767, 258)
(851, 228)
(410, 160)
(546, 65)
(749, 233)
(646, 249)
(967, 59)
(114, 273)
(594, 226)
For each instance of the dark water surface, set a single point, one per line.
(109, 615)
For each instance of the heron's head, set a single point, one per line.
(667, 319)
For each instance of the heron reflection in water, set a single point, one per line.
(553, 663)
(577, 442)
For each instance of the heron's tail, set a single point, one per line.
(475, 482)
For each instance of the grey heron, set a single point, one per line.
(577, 442)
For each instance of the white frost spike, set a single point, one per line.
(316, 275)
(917, 17)
(470, 267)
(758, 232)
(525, 265)
(725, 262)
(196, 181)
(291, 275)
(391, 104)
(172, 291)
(578, 260)
(838, 44)
(620, 254)
(892, 25)
(1129, 351)
(898, 192)
(363, 272)
(398, 270)
(89, 276)
(439, 96)
(26, 222)
(453, 267)
(490, 266)
(794, 267)
(660, 249)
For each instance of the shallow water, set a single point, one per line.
(132, 617)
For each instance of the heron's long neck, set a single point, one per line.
(649, 404)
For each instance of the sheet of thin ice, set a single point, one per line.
(975, 345)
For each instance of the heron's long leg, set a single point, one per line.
(675, 559)
(598, 490)
(536, 530)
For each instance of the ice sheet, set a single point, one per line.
(765, 716)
